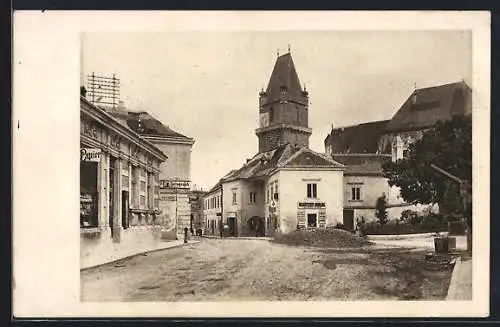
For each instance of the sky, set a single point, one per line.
(205, 85)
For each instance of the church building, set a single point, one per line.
(285, 186)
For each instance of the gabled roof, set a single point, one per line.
(425, 106)
(285, 156)
(362, 164)
(362, 138)
(284, 74)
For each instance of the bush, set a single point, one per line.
(411, 217)
(361, 225)
(339, 226)
(414, 225)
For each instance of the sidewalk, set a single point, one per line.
(238, 237)
(461, 281)
(124, 252)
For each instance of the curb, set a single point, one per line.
(237, 238)
(135, 255)
(402, 236)
(453, 280)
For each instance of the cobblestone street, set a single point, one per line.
(258, 270)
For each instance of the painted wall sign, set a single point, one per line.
(165, 183)
(90, 154)
(312, 205)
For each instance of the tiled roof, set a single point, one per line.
(362, 164)
(424, 107)
(287, 155)
(309, 158)
(284, 75)
(143, 123)
(362, 138)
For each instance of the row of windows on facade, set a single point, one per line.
(213, 203)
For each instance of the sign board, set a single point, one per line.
(90, 154)
(312, 205)
(165, 183)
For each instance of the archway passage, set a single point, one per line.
(257, 226)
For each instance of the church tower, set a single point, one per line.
(283, 108)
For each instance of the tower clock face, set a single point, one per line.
(264, 119)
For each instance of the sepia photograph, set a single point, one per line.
(342, 169)
(233, 166)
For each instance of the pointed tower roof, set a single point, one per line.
(284, 75)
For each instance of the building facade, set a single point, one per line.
(212, 210)
(363, 148)
(196, 198)
(175, 175)
(119, 183)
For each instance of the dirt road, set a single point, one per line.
(257, 270)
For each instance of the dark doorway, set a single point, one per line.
(256, 226)
(312, 220)
(231, 222)
(349, 219)
(125, 208)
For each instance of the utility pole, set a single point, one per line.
(464, 195)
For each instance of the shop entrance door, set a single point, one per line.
(349, 219)
(231, 222)
(125, 208)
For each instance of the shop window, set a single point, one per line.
(312, 220)
(356, 193)
(312, 191)
(88, 194)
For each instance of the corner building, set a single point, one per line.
(119, 179)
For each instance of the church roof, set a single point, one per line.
(425, 106)
(362, 138)
(284, 156)
(284, 74)
(368, 164)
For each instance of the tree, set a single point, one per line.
(447, 145)
(381, 210)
